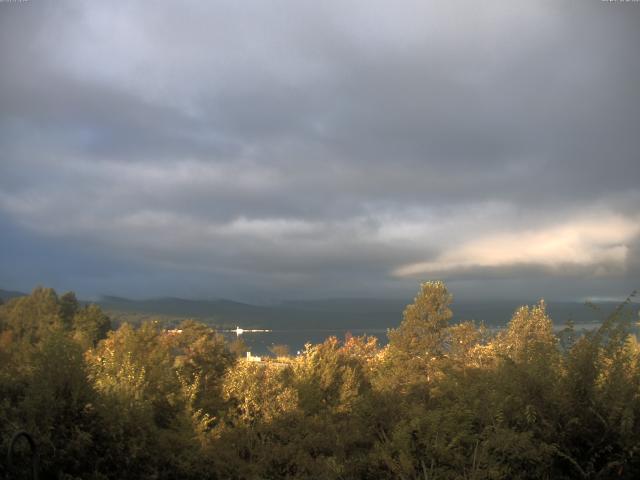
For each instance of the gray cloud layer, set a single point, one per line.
(330, 148)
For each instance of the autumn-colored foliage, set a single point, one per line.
(440, 401)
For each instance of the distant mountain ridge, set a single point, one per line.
(332, 313)
(340, 313)
(9, 294)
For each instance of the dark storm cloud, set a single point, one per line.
(332, 148)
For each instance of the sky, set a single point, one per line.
(293, 149)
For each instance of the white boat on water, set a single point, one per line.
(239, 331)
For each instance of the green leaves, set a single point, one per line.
(422, 332)
(442, 400)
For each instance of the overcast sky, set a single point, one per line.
(305, 149)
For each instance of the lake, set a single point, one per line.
(260, 342)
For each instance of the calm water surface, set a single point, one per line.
(259, 343)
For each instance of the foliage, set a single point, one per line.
(440, 401)
(280, 350)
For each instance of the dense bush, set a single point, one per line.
(440, 400)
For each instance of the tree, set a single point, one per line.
(90, 325)
(69, 306)
(238, 347)
(279, 350)
(529, 334)
(410, 361)
(202, 360)
(422, 332)
(32, 317)
(59, 407)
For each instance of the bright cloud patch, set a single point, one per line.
(600, 243)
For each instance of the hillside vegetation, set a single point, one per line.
(442, 400)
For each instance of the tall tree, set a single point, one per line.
(69, 306)
(423, 330)
(90, 324)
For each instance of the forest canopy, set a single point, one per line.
(441, 400)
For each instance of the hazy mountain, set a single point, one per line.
(335, 313)
(8, 294)
(332, 313)
(219, 312)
